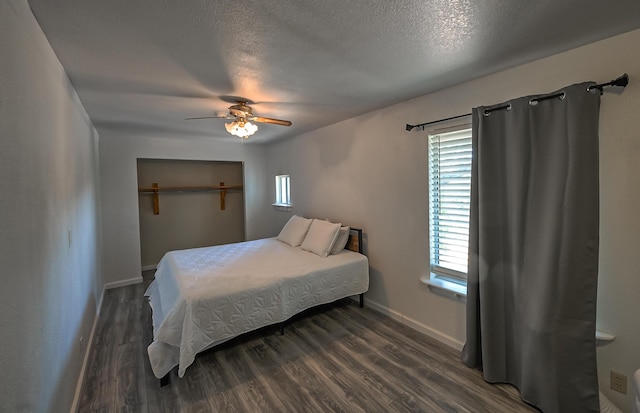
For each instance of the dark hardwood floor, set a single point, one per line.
(337, 358)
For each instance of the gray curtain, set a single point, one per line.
(533, 249)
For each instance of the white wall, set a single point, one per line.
(50, 227)
(369, 172)
(121, 226)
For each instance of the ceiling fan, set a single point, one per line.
(242, 115)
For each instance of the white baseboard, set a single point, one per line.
(87, 353)
(416, 325)
(150, 267)
(122, 283)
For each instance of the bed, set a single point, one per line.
(203, 297)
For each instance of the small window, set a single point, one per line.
(449, 200)
(283, 191)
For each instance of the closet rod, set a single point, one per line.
(621, 81)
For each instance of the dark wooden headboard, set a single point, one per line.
(355, 240)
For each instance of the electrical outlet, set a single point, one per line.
(618, 382)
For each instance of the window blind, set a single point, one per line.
(283, 191)
(449, 191)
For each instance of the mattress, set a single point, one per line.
(204, 296)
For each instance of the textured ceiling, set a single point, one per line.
(143, 66)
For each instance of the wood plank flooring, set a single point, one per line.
(339, 358)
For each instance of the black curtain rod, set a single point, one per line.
(409, 127)
(622, 81)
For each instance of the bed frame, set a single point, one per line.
(354, 243)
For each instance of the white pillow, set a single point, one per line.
(321, 237)
(295, 230)
(341, 241)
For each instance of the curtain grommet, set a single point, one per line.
(487, 111)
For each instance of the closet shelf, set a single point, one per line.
(205, 188)
(155, 191)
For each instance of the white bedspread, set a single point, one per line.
(205, 296)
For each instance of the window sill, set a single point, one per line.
(283, 207)
(442, 286)
(602, 336)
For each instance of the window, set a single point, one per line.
(449, 199)
(283, 191)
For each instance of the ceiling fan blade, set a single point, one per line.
(220, 116)
(271, 120)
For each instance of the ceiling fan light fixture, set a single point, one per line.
(241, 114)
(241, 128)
